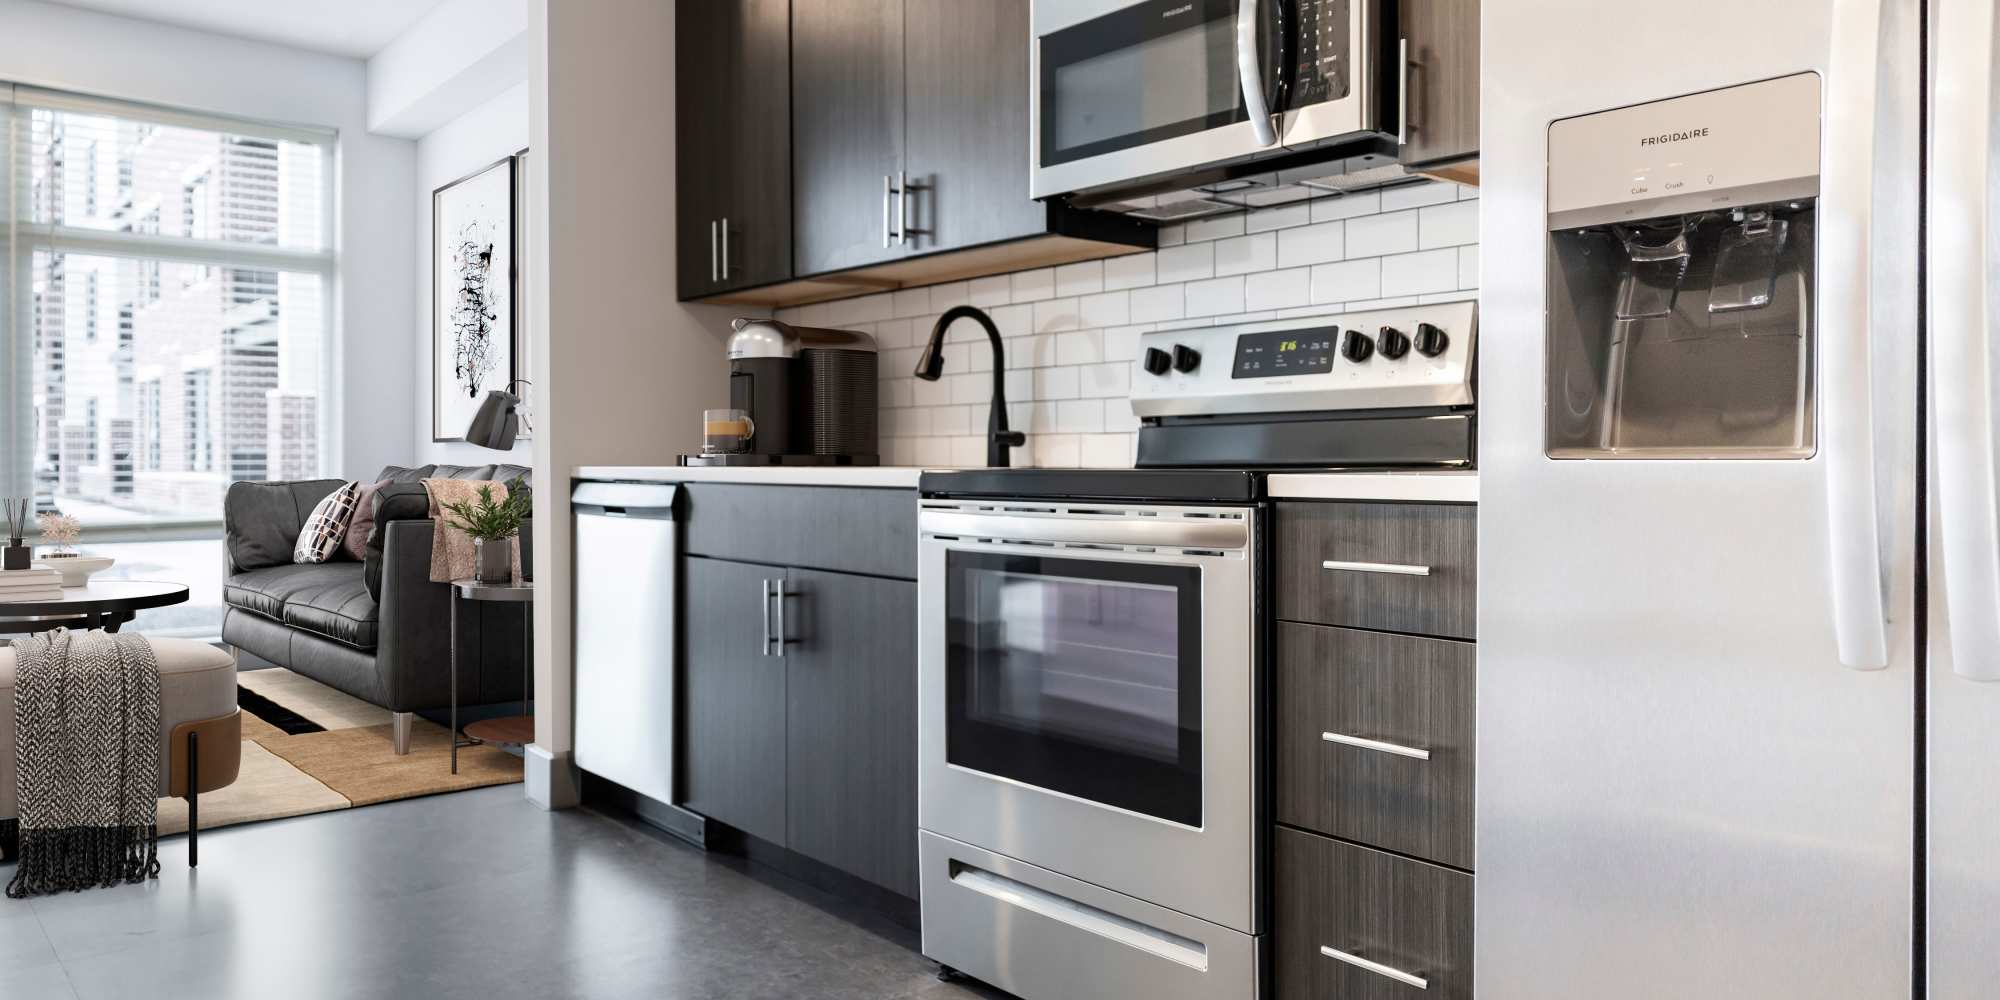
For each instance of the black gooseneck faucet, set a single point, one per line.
(930, 365)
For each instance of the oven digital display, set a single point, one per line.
(1285, 352)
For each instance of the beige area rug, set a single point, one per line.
(352, 763)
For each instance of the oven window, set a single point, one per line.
(1148, 72)
(1078, 676)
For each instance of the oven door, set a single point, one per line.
(1129, 91)
(1088, 690)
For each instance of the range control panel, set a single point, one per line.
(1409, 356)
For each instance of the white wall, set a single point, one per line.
(376, 346)
(1071, 333)
(489, 132)
(625, 369)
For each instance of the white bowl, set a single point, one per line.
(76, 570)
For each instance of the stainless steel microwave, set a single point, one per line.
(1130, 94)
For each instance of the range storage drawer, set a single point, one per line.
(845, 529)
(1375, 739)
(1358, 924)
(1394, 567)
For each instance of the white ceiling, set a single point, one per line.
(355, 28)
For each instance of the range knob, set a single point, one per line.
(1431, 341)
(1393, 343)
(1356, 347)
(1186, 359)
(1158, 361)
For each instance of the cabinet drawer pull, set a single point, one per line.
(1398, 749)
(1376, 967)
(1399, 569)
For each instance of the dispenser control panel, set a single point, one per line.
(1757, 143)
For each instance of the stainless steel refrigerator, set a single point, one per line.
(1739, 731)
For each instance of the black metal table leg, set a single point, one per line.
(194, 798)
(454, 680)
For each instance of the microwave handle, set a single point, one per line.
(1250, 72)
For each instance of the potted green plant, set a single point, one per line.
(492, 524)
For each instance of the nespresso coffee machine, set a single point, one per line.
(810, 394)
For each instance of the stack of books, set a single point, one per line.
(17, 585)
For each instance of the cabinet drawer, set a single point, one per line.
(846, 529)
(1397, 567)
(1357, 924)
(1375, 739)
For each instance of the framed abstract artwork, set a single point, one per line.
(473, 283)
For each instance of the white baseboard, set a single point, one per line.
(552, 779)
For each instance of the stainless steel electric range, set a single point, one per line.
(1092, 784)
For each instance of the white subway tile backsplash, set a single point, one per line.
(1074, 330)
(1380, 235)
(1130, 271)
(1160, 302)
(1417, 273)
(1033, 286)
(1311, 244)
(1079, 347)
(1415, 195)
(1105, 309)
(1244, 254)
(1347, 280)
(1187, 263)
(1215, 228)
(1215, 296)
(1278, 289)
(1080, 279)
(1449, 225)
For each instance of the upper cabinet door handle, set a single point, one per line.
(713, 275)
(1398, 569)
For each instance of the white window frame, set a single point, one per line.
(24, 238)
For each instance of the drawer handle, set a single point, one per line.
(1395, 748)
(1399, 569)
(1376, 967)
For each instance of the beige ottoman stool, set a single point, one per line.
(201, 732)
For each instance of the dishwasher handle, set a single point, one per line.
(650, 501)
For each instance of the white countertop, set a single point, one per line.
(1438, 487)
(886, 476)
(1454, 486)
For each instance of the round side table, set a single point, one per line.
(104, 604)
(513, 729)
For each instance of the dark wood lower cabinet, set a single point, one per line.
(851, 772)
(734, 723)
(1388, 919)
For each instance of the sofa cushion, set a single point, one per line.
(400, 474)
(263, 519)
(339, 609)
(325, 591)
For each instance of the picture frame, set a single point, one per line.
(475, 315)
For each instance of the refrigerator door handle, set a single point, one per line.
(1961, 321)
(1847, 189)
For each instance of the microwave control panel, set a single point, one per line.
(1321, 61)
(1410, 356)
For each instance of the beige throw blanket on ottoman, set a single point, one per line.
(87, 750)
(451, 548)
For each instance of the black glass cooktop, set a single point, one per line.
(1168, 485)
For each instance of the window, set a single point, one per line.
(204, 245)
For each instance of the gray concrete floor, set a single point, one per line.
(477, 894)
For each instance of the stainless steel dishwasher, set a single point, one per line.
(625, 620)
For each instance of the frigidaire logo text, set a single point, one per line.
(1666, 137)
(1182, 9)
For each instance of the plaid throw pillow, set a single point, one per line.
(327, 527)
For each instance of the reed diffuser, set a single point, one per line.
(16, 555)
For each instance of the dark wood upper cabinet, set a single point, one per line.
(733, 144)
(847, 131)
(1444, 81)
(967, 112)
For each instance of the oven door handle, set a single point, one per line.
(1192, 533)
(1250, 72)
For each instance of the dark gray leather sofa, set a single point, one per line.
(378, 629)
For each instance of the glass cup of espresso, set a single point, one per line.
(726, 432)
